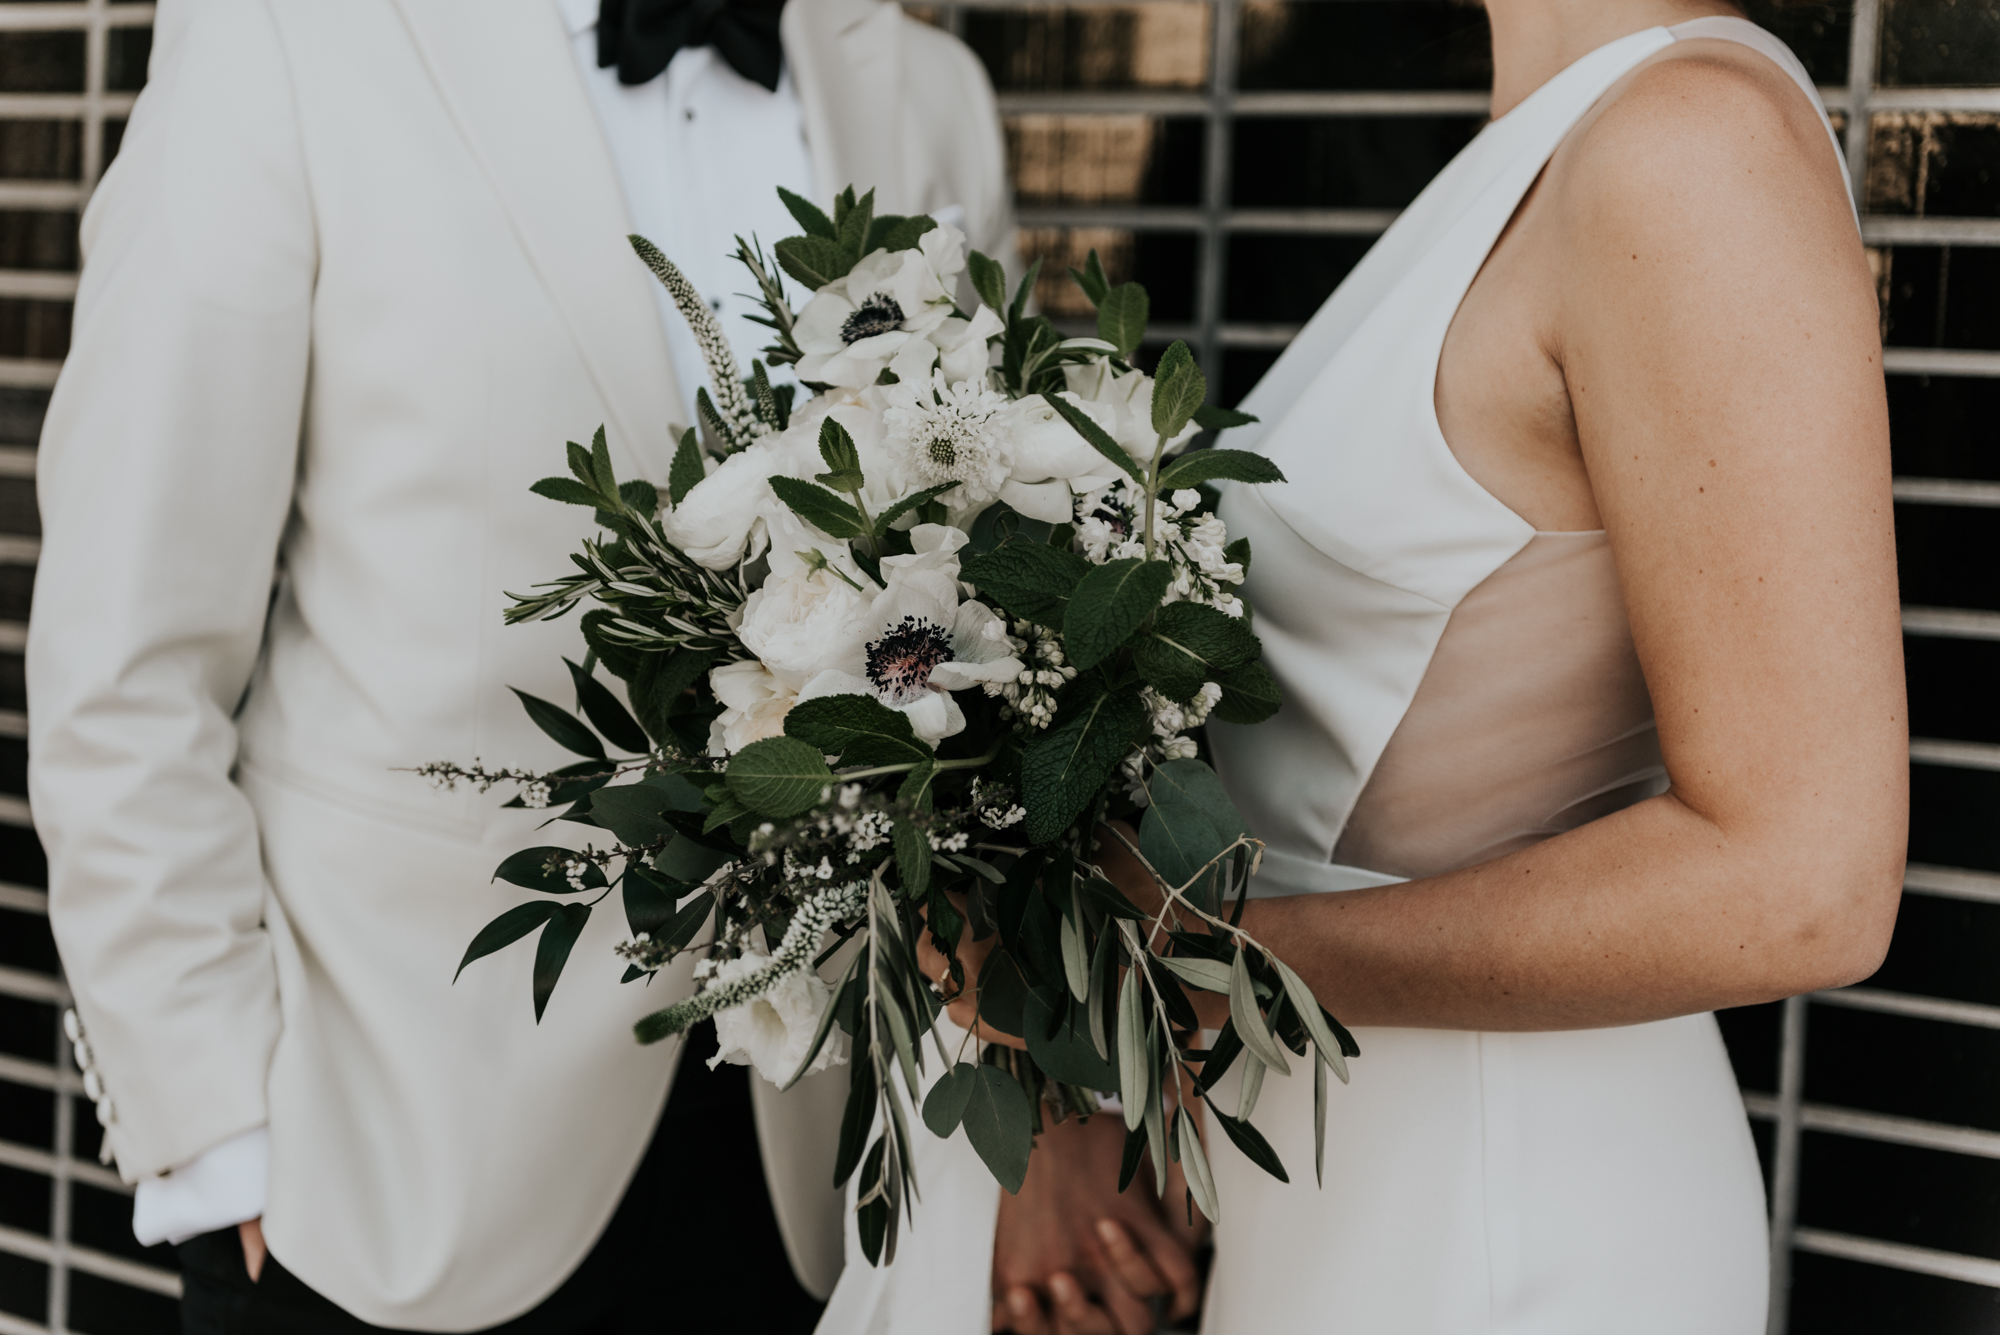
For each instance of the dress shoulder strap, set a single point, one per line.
(1745, 33)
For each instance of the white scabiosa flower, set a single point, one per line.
(937, 432)
(772, 1032)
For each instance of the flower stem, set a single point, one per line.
(968, 762)
(1153, 491)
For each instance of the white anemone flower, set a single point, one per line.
(855, 325)
(924, 641)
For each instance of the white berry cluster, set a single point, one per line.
(1031, 697)
(1171, 722)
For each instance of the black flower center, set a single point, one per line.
(942, 452)
(878, 315)
(900, 662)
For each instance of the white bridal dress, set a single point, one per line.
(1457, 686)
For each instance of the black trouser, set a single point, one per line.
(693, 1245)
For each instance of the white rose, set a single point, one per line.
(1130, 396)
(773, 1032)
(754, 705)
(798, 623)
(1051, 461)
(717, 523)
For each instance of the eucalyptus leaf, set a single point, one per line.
(1179, 840)
(1000, 1124)
(944, 1106)
(1003, 995)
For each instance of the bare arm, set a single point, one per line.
(1717, 334)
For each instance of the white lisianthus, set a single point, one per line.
(1130, 397)
(855, 325)
(1051, 461)
(754, 704)
(924, 642)
(772, 1032)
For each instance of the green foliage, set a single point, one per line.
(989, 280)
(814, 260)
(892, 233)
(506, 929)
(1111, 602)
(541, 869)
(1209, 417)
(1062, 770)
(1031, 582)
(606, 713)
(772, 411)
(820, 508)
(838, 449)
(944, 1106)
(779, 777)
(1191, 643)
(561, 726)
(1249, 695)
(808, 215)
(1210, 465)
(1003, 996)
(633, 813)
(913, 857)
(1062, 1049)
(1000, 1123)
(1122, 314)
(1178, 389)
(649, 902)
(552, 951)
(1092, 280)
(860, 729)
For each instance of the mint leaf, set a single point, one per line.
(1095, 436)
(778, 777)
(989, 280)
(814, 260)
(1209, 465)
(1031, 582)
(808, 215)
(1122, 313)
(1110, 603)
(820, 508)
(1249, 695)
(686, 470)
(860, 729)
(1062, 770)
(1211, 418)
(1190, 644)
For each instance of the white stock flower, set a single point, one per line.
(854, 325)
(923, 642)
(1051, 461)
(774, 1031)
(1130, 397)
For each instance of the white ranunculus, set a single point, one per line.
(855, 325)
(799, 623)
(923, 641)
(1051, 461)
(1130, 397)
(754, 705)
(773, 1032)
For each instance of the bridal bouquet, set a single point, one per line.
(897, 659)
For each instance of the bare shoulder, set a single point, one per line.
(1710, 141)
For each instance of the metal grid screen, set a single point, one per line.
(1238, 156)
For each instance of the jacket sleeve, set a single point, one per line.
(964, 152)
(166, 474)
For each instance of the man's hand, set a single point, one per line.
(251, 1233)
(1073, 1256)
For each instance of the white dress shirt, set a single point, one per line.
(700, 152)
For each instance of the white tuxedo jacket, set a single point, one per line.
(358, 272)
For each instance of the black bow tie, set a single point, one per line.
(641, 36)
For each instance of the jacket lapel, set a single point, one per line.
(505, 71)
(846, 60)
